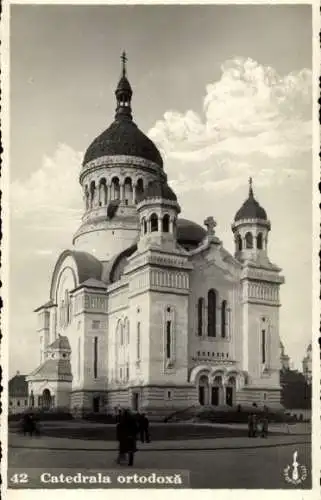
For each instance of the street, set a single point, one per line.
(248, 464)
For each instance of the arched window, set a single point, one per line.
(259, 241)
(115, 189)
(138, 342)
(239, 243)
(223, 319)
(263, 346)
(249, 240)
(121, 333)
(102, 192)
(211, 312)
(153, 223)
(126, 331)
(128, 190)
(86, 197)
(139, 190)
(168, 339)
(166, 223)
(92, 194)
(200, 312)
(144, 221)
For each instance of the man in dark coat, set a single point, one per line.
(252, 425)
(28, 424)
(144, 428)
(126, 435)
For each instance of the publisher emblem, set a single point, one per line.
(295, 473)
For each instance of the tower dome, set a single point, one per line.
(159, 189)
(123, 137)
(250, 209)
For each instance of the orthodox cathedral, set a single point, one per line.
(148, 310)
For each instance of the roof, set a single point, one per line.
(18, 387)
(159, 189)
(123, 256)
(87, 266)
(92, 283)
(61, 342)
(53, 369)
(189, 231)
(123, 137)
(46, 305)
(251, 209)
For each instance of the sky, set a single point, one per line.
(225, 93)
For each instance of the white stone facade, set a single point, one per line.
(157, 320)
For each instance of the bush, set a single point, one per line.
(43, 415)
(231, 415)
(102, 418)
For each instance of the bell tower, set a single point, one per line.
(251, 227)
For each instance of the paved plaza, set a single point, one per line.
(232, 462)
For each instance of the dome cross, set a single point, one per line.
(124, 59)
(251, 187)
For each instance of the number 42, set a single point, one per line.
(19, 478)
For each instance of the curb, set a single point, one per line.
(163, 449)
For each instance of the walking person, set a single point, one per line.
(252, 425)
(28, 424)
(265, 426)
(144, 428)
(126, 435)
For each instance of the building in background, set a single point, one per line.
(307, 364)
(284, 358)
(18, 394)
(148, 310)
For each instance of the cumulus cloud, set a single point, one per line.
(250, 111)
(52, 193)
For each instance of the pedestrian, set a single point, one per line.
(265, 426)
(28, 424)
(255, 422)
(144, 428)
(126, 436)
(252, 425)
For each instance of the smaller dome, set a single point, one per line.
(250, 209)
(189, 232)
(159, 189)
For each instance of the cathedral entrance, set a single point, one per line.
(135, 401)
(230, 391)
(217, 391)
(203, 390)
(96, 404)
(215, 396)
(46, 399)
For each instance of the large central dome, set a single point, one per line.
(123, 137)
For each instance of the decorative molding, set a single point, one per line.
(122, 162)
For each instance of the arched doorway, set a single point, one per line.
(203, 390)
(217, 391)
(230, 391)
(46, 399)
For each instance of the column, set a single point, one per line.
(223, 393)
(108, 193)
(134, 194)
(122, 192)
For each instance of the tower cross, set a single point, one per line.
(250, 186)
(124, 59)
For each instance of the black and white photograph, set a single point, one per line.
(158, 237)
